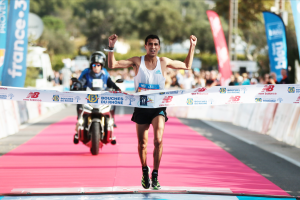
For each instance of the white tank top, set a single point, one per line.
(149, 79)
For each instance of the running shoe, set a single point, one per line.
(145, 179)
(155, 184)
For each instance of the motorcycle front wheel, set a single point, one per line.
(95, 133)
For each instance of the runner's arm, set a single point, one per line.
(113, 64)
(187, 64)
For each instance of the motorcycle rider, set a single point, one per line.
(96, 71)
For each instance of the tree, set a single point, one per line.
(98, 28)
(54, 37)
(162, 21)
(249, 11)
(250, 24)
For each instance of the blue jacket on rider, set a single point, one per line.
(87, 76)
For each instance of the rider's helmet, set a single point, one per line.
(98, 57)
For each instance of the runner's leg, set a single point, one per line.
(158, 124)
(142, 135)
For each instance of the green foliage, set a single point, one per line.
(208, 60)
(53, 23)
(56, 61)
(52, 7)
(32, 73)
(55, 37)
(248, 11)
(173, 21)
(162, 21)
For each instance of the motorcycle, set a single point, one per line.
(95, 122)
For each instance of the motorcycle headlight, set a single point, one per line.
(80, 121)
(111, 122)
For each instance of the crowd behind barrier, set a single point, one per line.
(281, 121)
(194, 78)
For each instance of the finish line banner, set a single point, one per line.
(218, 95)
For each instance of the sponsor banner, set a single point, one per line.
(218, 95)
(276, 38)
(221, 47)
(14, 69)
(3, 30)
(295, 4)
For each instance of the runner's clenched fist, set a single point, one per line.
(112, 40)
(193, 40)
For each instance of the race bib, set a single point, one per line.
(97, 83)
(145, 87)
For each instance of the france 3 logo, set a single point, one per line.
(92, 98)
(291, 89)
(222, 90)
(258, 100)
(189, 101)
(55, 98)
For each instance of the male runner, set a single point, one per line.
(149, 71)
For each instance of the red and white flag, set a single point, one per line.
(221, 47)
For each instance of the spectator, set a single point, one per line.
(61, 76)
(212, 81)
(131, 74)
(189, 81)
(232, 80)
(56, 78)
(284, 79)
(174, 82)
(253, 81)
(273, 78)
(246, 81)
(207, 77)
(201, 80)
(267, 79)
(179, 78)
(168, 76)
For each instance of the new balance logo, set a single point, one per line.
(33, 95)
(268, 88)
(167, 99)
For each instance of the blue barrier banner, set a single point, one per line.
(295, 4)
(14, 70)
(3, 25)
(276, 38)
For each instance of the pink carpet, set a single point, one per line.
(51, 160)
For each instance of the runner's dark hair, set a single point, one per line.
(152, 37)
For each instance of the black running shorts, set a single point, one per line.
(146, 115)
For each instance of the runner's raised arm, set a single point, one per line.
(187, 64)
(112, 63)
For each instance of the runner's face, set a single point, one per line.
(152, 47)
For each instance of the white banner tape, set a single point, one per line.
(217, 95)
